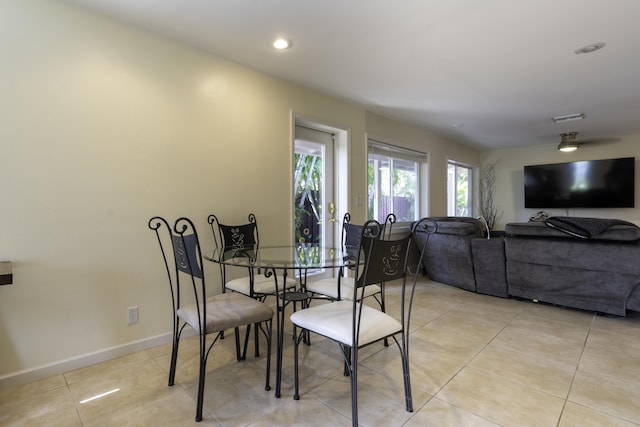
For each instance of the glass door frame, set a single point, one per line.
(341, 176)
(318, 143)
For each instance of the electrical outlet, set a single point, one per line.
(132, 315)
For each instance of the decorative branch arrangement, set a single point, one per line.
(487, 195)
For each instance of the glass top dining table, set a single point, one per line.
(300, 256)
(279, 262)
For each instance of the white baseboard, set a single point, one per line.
(30, 375)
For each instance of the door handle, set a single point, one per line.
(332, 212)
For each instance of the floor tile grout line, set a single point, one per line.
(590, 332)
(433, 396)
(515, 382)
(467, 365)
(577, 368)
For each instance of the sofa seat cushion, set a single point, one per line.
(589, 274)
(605, 256)
(610, 293)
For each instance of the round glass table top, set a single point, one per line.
(285, 257)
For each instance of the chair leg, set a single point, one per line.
(307, 333)
(268, 335)
(347, 361)
(174, 359)
(257, 342)
(296, 342)
(406, 373)
(256, 338)
(306, 337)
(383, 308)
(201, 375)
(240, 355)
(354, 387)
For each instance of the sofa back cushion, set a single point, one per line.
(620, 233)
(459, 226)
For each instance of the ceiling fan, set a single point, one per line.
(569, 141)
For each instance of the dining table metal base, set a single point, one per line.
(283, 299)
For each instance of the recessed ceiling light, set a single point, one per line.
(282, 44)
(590, 48)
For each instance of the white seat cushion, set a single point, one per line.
(334, 320)
(329, 287)
(227, 311)
(261, 284)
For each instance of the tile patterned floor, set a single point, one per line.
(476, 361)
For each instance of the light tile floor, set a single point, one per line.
(475, 361)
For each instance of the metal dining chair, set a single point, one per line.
(340, 288)
(206, 315)
(252, 284)
(353, 324)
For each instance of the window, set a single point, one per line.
(394, 182)
(459, 189)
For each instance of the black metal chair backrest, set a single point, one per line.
(388, 225)
(384, 260)
(185, 250)
(240, 239)
(234, 236)
(181, 253)
(351, 232)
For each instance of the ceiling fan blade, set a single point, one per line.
(600, 141)
(571, 139)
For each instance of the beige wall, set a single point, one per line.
(510, 178)
(104, 126)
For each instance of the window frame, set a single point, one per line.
(452, 189)
(394, 152)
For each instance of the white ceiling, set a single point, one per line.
(500, 68)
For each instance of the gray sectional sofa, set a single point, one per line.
(593, 271)
(585, 263)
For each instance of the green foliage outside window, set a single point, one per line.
(401, 198)
(307, 186)
(462, 192)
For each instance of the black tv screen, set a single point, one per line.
(605, 183)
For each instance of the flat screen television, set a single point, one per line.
(605, 183)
